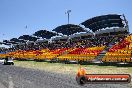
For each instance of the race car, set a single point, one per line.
(7, 61)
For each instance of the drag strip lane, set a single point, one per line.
(18, 77)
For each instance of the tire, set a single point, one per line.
(81, 80)
(12, 63)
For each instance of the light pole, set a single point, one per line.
(68, 14)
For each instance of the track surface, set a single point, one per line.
(17, 77)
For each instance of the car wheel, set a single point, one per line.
(12, 63)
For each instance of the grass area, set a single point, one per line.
(72, 68)
(52, 67)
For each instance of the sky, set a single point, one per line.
(48, 14)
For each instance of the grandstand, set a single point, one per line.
(120, 52)
(108, 42)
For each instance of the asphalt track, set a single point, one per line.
(17, 77)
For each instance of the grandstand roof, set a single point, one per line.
(59, 37)
(111, 30)
(81, 34)
(15, 40)
(8, 42)
(28, 37)
(44, 34)
(99, 22)
(40, 41)
(29, 42)
(69, 29)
